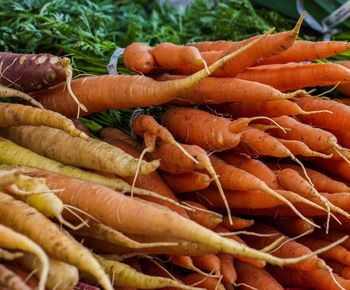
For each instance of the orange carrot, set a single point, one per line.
(255, 277)
(186, 182)
(252, 166)
(251, 108)
(227, 267)
(124, 91)
(342, 136)
(286, 249)
(114, 133)
(320, 279)
(184, 122)
(339, 168)
(293, 226)
(238, 223)
(337, 253)
(344, 88)
(271, 45)
(137, 57)
(209, 263)
(293, 76)
(203, 216)
(338, 268)
(213, 90)
(332, 236)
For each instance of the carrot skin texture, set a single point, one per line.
(255, 277)
(184, 122)
(32, 72)
(295, 76)
(49, 142)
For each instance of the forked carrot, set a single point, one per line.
(125, 91)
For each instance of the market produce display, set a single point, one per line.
(212, 164)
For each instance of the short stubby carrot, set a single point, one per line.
(215, 133)
(99, 93)
(293, 76)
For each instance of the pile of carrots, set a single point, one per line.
(241, 182)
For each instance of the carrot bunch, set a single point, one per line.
(240, 180)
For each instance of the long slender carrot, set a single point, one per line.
(10, 239)
(293, 76)
(10, 280)
(92, 154)
(258, 278)
(213, 90)
(251, 108)
(134, 220)
(233, 178)
(137, 57)
(186, 182)
(228, 270)
(30, 222)
(16, 115)
(238, 223)
(123, 91)
(273, 44)
(9, 93)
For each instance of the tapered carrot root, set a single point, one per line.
(213, 90)
(124, 275)
(186, 182)
(9, 93)
(258, 278)
(61, 276)
(293, 226)
(17, 115)
(295, 76)
(183, 123)
(249, 108)
(30, 222)
(92, 154)
(10, 280)
(238, 223)
(10, 239)
(123, 91)
(137, 57)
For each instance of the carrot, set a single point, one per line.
(338, 253)
(320, 279)
(255, 277)
(199, 280)
(183, 123)
(332, 236)
(322, 182)
(293, 226)
(176, 163)
(61, 276)
(203, 216)
(250, 108)
(311, 50)
(81, 127)
(339, 168)
(228, 270)
(213, 90)
(58, 245)
(342, 136)
(10, 239)
(9, 93)
(288, 248)
(116, 134)
(271, 45)
(255, 140)
(209, 263)
(300, 148)
(233, 178)
(10, 280)
(13, 154)
(134, 220)
(186, 182)
(338, 268)
(253, 166)
(124, 275)
(92, 154)
(293, 76)
(180, 55)
(8, 177)
(122, 91)
(137, 57)
(238, 223)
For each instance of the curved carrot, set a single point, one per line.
(293, 76)
(122, 91)
(186, 182)
(213, 90)
(137, 57)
